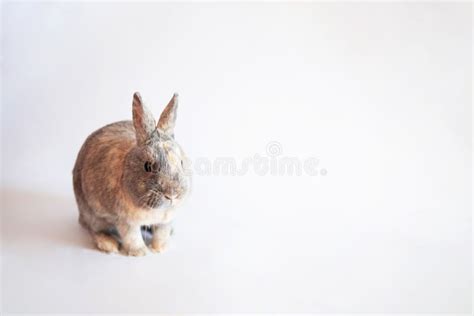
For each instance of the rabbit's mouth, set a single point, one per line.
(157, 200)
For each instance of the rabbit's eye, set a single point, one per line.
(149, 166)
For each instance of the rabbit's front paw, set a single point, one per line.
(135, 251)
(158, 246)
(161, 236)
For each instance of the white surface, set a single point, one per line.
(380, 93)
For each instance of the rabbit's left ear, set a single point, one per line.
(143, 120)
(168, 116)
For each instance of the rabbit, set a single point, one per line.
(129, 175)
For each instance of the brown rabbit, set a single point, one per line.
(129, 175)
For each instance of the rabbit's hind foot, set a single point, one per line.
(106, 243)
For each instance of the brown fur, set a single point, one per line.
(130, 174)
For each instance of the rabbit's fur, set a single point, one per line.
(131, 174)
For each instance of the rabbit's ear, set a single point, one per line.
(143, 120)
(168, 116)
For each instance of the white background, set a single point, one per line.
(379, 93)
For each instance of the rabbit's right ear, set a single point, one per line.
(143, 120)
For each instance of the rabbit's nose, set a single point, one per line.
(171, 196)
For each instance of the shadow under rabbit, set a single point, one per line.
(38, 220)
